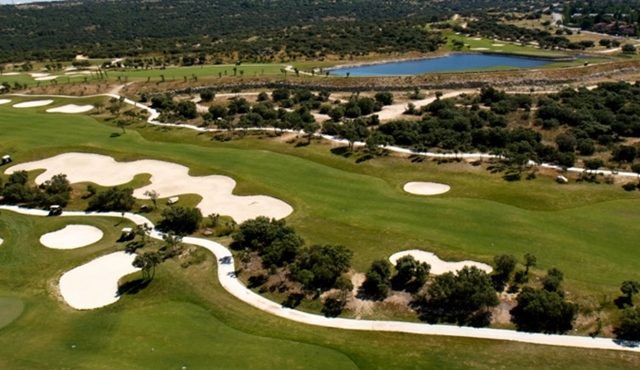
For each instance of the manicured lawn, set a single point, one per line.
(502, 47)
(588, 231)
(184, 318)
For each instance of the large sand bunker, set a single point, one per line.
(1, 241)
(32, 104)
(70, 108)
(168, 179)
(439, 266)
(425, 188)
(71, 237)
(5, 101)
(46, 78)
(95, 284)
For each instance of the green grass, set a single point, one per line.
(184, 318)
(364, 207)
(588, 231)
(506, 48)
(10, 309)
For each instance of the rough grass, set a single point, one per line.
(184, 318)
(10, 309)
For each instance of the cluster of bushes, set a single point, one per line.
(17, 190)
(280, 247)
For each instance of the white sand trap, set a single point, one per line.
(32, 104)
(497, 44)
(426, 188)
(38, 75)
(5, 101)
(11, 74)
(71, 108)
(1, 241)
(168, 179)
(95, 284)
(438, 266)
(479, 48)
(71, 237)
(477, 38)
(78, 73)
(46, 78)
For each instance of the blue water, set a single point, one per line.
(455, 62)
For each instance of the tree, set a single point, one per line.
(463, 298)
(187, 110)
(377, 283)
(321, 266)
(543, 311)
(408, 268)
(630, 287)
(552, 281)
(121, 125)
(153, 195)
(114, 199)
(207, 95)
(310, 129)
(181, 220)
(218, 111)
(628, 327)
(384, 97)
(529, 261)
(147, 262)
(505, 264)
(566, 143)
(172, 240)
(628, 49)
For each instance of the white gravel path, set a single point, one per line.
(71, 237)
(70, 108)
(168, 179)
(228, 280)
(32, 104)
(95, 284)
(426, 188)
(438, 266)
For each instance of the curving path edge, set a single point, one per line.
(393, 111)
(228, 280)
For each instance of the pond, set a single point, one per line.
(454, 62)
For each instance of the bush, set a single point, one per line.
(180, 220)
(114, 199)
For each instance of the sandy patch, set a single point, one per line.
(479, 48)
(1, 241)
(168, 179)
(425, 188)
(477, 38)
(439, 266)
(497, 44)
(71, 237)
(78, 73)
(37, 75)
(46, 78)
(32, 104)
(71, 108)
(5, 101)
(95, 284)
(11, 74)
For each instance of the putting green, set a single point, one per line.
(10, 309)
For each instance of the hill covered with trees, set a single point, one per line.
(220, 29)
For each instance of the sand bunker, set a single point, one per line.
(78, 73)
(71, 108)
(439, 266)
(426, 188)
(10, 74)
(5, 101)
(497, 44)
(168, 179)
(31, 104)
(479, 48)
(95, 284)
(46, 78)
(477, 38)
(1, 241)
(71, 237)
(37, 75)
